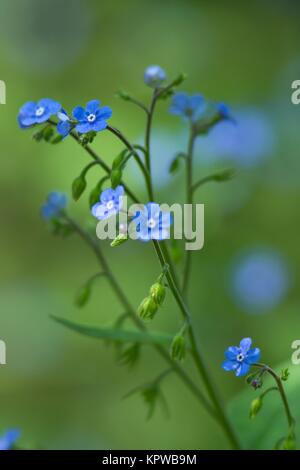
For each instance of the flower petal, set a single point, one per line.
(104, 113)
(92, 106)
(83, 127)
(242, 369)
(253, 355)
(79, 113)
(230, 365)
(232, 352)
(63, 128)
(245, 345)
(99, 126)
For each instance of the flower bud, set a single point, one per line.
(78, 187)
(118, 161)
(115, 177)
(121, 238)
(154, 75)
(181, 77)
(178, 349)
(147, 308)
(255, 407)
(158, 293)
(83, 296)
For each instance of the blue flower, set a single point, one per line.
(35, 113)
(55, 203)
(260, 280)
(110, 203)
(64, 125)
(151, 223)
(154, 75)
(189, 107)
(92, 118)
(8, 439)
(240, 358)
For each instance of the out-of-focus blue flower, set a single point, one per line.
(92, 118)
(247, 140)
(188, 106)
(35, 113)
(8, 439)
(260, 281)
(154, 75)
(55, 203)
(111, 202)
(64, 125)
(240, 358)
(151, 223)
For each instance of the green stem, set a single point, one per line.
(289, 416)
(189, 200)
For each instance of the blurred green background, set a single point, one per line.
(65, 391)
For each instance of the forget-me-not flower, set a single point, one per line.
(55, 203)
(240, 358)
(36, 113)
(111, 202)
(64, 125)
(151, 223)
(8, 439)
(91, 118)
(188, 106)
(154, 75)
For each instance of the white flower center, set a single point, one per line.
(110, 205)
(151, 223)
(40, 110)
(240, 357)
(91, 117)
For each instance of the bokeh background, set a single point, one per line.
(65, 391)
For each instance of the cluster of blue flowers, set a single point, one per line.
(91, 118)
(240, 358)
(150, 222)
(9, 438)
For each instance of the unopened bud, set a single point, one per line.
(255, 407)
(115, 177)
(158, 293)
(178, 349)
(78, 187)
(147, 308)
(83, 296)
(121, 238)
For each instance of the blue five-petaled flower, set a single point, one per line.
(91, 118)
(187, 106)
(8, 439)
(36, 113)
(240, 358)
(111, 201)
(151, 223)
(54, 205)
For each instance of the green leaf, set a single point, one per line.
(111, 334)
(270, 425)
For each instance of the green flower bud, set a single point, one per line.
(118, 161)
(255, 407)
(178, 349)
(158, 293)
(83, 296)
(78, 187)
(121, 238)
(147, 308)
(123, 95)
(180, 79)
(289, 443)
(115, 177)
